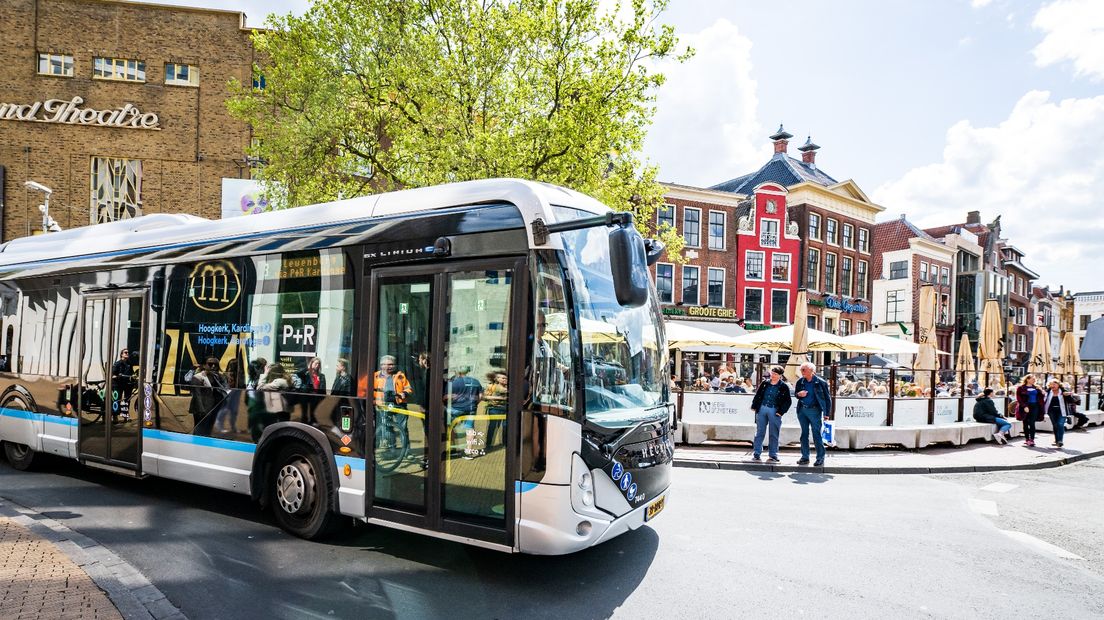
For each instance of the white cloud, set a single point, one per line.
(1074, 31)
(1041, 169)
(706, 128)
(978, 4)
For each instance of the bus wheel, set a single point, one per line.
(20, 456)
(301, 492)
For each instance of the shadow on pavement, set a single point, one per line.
(811, 478)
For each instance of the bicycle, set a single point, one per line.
(392, 441)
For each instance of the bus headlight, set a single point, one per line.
(586, 484)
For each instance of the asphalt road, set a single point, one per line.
(730, 544)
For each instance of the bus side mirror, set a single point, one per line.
(629, 266)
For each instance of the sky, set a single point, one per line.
(934, 108)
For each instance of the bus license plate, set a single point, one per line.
(654, 508)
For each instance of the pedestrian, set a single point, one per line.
(1054, 405)
(814, 404)
(1029, 400)
(772, 400)
(1073, 401)
(985, 411)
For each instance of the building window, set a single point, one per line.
(691, 227)
(860, 280)
(753, 305)
(259, 82)
(812, 271)
(768, 234)
(845, 327)
(860, 327)
(814, 226)
(116, 189)
(716, 287)
(1022, 342)
(845, 276)
(923, 272)
(894, 306)
(944, 309)
(128, 70)
(666, 217)
(716, 230)
(849, 236)
(690, 285)
(829, 273)
(829, 325)
(55, 64)
(898, 269)
(1021, 316)
(1085, 320)
(945, 275)
(665, 283)
(780, 307)
(864, 241)
(832, 232)
(181, 75)
(753, 265)
(780, 267)
(811, 321)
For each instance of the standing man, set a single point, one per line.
(772, 399)
(814, 403)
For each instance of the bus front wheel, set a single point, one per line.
(20, 456)
(300, 492)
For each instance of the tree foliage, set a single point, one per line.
(372, 95)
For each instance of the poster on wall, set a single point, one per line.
(242, 197)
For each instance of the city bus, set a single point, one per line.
(483, 362)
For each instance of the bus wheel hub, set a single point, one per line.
(295, 487)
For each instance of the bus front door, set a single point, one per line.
(110, 378)
(446, 387)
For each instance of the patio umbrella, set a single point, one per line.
(781, 339)
(1041, 364)
(681, 336)
(876, 361)
(1069, 362)
(965, 363)
(924, 362)
(991, 346)
(887, 345)
(799, 344)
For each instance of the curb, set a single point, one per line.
(127, 588)
(950, 469)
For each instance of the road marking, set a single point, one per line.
(984, 506)
(1000, 487)
(1041, 545)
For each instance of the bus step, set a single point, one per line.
(115, 469)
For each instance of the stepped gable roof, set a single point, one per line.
(1092, 347)
(781, 169)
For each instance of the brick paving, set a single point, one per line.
(39, 581)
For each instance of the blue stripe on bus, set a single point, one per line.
(39, 417)
(354, 464)
(522, 487)
(199, 440)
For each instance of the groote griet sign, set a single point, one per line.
(71, 113)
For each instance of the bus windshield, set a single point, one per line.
(623, 361)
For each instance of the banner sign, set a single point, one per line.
(70, 113)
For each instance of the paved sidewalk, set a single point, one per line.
(50, 571)
(972, 457)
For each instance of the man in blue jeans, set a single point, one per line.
(772, 400)
(814, 403)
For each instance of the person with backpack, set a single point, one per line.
(985, 411)
(1029, 402)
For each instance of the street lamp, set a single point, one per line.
(48, 224)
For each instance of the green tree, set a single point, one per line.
(372, 95)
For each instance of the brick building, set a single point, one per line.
(119, 108)
(834, 224)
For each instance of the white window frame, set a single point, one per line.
(674, 216)
(724, 276)
(747, 255)
(672, 266)
(119, 68)
(864, 277)
(860, 327)
(819, 265)
(65, 60)
(843, 236)
(193, 75)
(842, 331)
(762, 302)
(899, 297)
(923, 271)
(850, 277)
(835, 274)
(827, 239)
(819, 227)
(786, 305)
(789, 268)
(864, 240)
(682, 289)
(686, 243)
(777, 236)
(945, 276)
(724, 231)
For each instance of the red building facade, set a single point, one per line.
(768, 249)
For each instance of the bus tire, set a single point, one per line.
(19, 455)
(301, 491)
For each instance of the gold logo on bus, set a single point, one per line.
(214, 285)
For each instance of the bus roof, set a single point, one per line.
(155, 232)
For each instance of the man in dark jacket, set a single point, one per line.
(985, 411)
(814, 403)
(771, 401)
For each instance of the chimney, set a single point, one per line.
(781, 140)
(808, 152)
(973, 217)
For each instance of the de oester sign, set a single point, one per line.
(838, 303)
